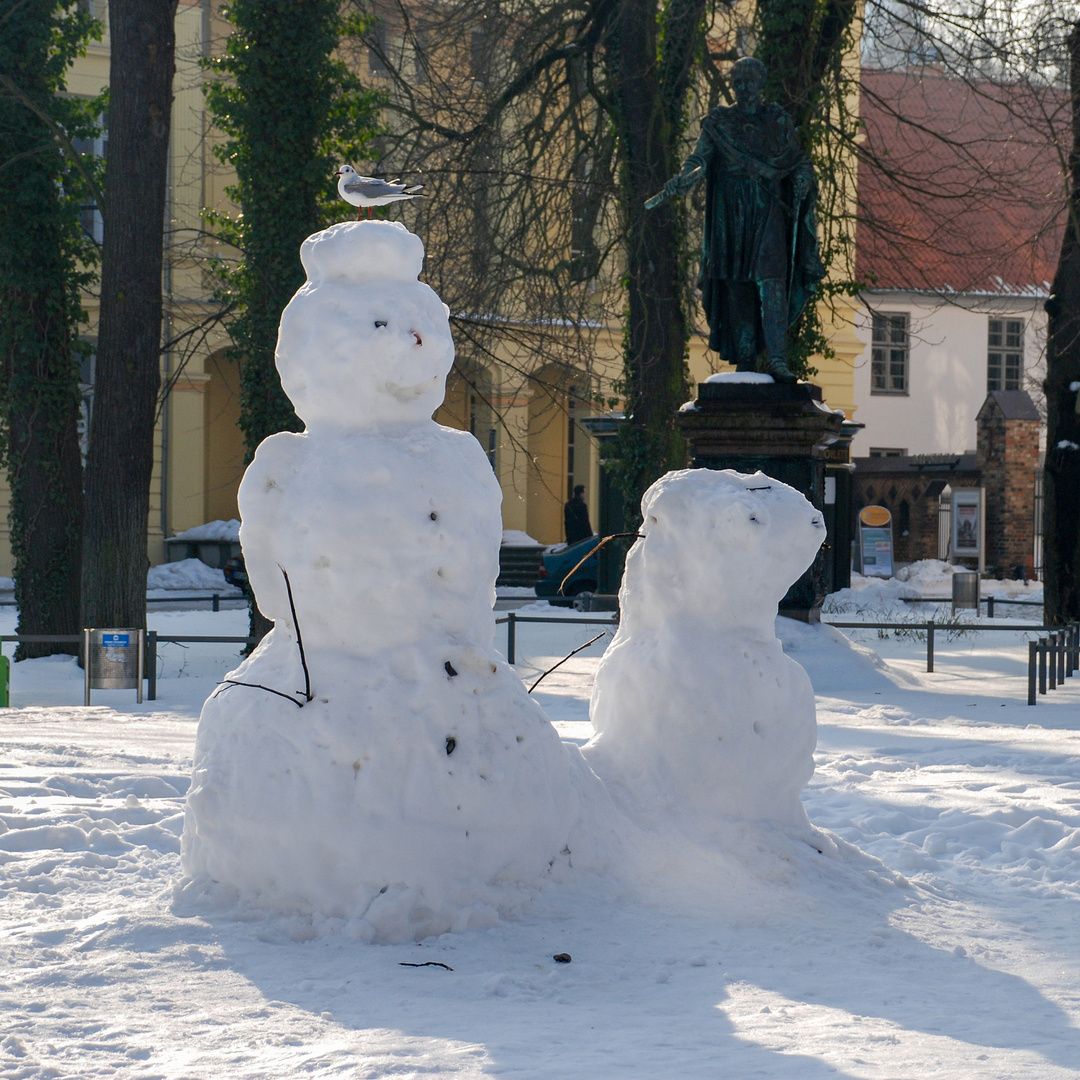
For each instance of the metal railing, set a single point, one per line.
(1057, 655)
(214, 598)
(1051, 659)
(153, 639)
(930, 627)
(512, 619)
(989, 601)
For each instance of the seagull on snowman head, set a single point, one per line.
(368, 191)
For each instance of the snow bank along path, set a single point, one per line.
(420, 778)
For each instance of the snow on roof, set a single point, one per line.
(960, 189)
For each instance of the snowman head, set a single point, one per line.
(721, 544)
(364, 342)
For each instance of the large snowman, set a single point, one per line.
(419, 777)
(700, 718)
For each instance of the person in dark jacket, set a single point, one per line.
(576, 517)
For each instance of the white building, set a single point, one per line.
(929, 361)
(960, 224)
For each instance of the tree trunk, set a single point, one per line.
(1061, 521)
(121, 452)
(45, 471)
(39, 312)
(651, 93)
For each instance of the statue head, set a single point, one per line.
(748, 80)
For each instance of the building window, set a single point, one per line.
(1005, 354)
(889, 354)
(378, 51)
(887, 451)
(421, 51)
(479, 56)
(97, 147)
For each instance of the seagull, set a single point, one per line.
(367, 191)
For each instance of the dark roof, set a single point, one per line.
(927, 464)
(960, 185)
(1014, 404)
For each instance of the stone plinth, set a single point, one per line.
(783, 430)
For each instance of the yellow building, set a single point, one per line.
(530, 427)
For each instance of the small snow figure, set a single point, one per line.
(420, 776)
(698, 713)
(368, 191)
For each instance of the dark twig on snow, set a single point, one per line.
(613, 536)
(565, 658)
(429, 963)
(257, 686)
(299, 640)
(308, 696)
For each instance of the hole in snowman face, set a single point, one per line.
(380, 324)
(419, 339)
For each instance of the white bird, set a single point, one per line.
(368, 191)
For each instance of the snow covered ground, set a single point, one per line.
(956, 955)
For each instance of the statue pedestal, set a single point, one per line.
(785, 431)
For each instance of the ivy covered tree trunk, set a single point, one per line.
(289, 109)
(40, 242)
(651, 50)
(1061, 523)
(651, 86)
(121, 452)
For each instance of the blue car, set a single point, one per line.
(557, 564)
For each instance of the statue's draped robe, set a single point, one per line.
(754, 231)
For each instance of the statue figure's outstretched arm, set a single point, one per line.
(693, 172)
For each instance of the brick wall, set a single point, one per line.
(1008, 451)
(909, 487)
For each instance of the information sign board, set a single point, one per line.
(967, 522)
(876, 542)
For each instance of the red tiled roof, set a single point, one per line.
(960, 185)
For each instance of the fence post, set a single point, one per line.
(215, 602)
(1051, 659)
(151, 665)
(1061, 636)
(1042, 665)
(511, 637)
(989, 607)
(86, 666)
(930, 645)
(140, 664)
(1032, 649)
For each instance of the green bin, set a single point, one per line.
(5, 676)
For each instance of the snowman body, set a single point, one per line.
(699, 716)
(420, 778)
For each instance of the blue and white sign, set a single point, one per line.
(115, 641)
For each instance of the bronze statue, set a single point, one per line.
(759, 258)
